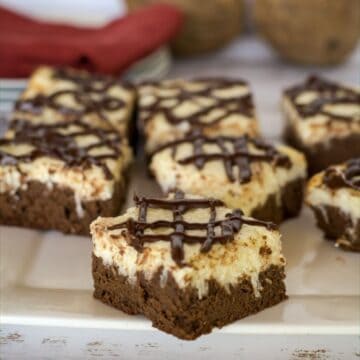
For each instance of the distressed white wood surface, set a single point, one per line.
(63, 343)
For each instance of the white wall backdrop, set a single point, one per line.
(80, 11)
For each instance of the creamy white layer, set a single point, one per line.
(88, 183)
(321, 128)
(345, 199)
(227, 264)
(212, 179)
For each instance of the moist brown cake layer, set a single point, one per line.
(321, 155)
(289, 206)
(334, 223)
(43, 208)
(179, 311)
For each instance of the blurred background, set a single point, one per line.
(85, 12)
(271, 43)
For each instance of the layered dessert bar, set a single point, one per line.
(187, 263)
(334, 197)
(62, 95)
(170, 109)
(61, 175)
(264, 181)
(323, 121)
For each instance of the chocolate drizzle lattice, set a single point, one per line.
(230, 105)
(347, 177)
(177, 230)
(329, 93)
(90, 94)
(59, 141)
(237, 154)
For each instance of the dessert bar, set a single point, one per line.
(62, 95)
(323, 121)
(264, 181)
(334, 196)
(62, 175)
(187, 263)
(170, 109)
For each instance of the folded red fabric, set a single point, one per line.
(26, 43)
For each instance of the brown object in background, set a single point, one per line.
(207, 26)
(310, 32)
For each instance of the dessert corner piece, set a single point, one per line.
(65, 94)
(170, 109)
(263, 180)
(188, 264)
(334, 197)
(61, 176)
(323, 121)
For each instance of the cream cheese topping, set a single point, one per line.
(88, 183)
(212, 179)
(343, 198)
(227, 264)
(321, 128)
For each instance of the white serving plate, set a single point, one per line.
(46, 304)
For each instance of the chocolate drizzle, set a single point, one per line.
(59, 141)
(347, 177)
(230, 106)
(237, 154)
(179, 235)
(87, 82)
(90, 96)
(329, 93)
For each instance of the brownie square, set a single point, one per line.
(334, 197)
(65, 94)
(263, 180)
(170, 109)
(188, 264)
(64, 159)
(61, 176)
(323, 121)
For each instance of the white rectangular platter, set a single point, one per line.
(46, 304)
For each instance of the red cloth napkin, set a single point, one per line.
(26, 43)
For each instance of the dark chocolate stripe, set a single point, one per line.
(50, 141)
(89, 81)
(329, 93)
(240, 156)
(179, 206)
(348, 177)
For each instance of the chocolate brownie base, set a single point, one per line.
(179, 311)
(322, 155)
(289, 206)
(335, 224)
(43, 208)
